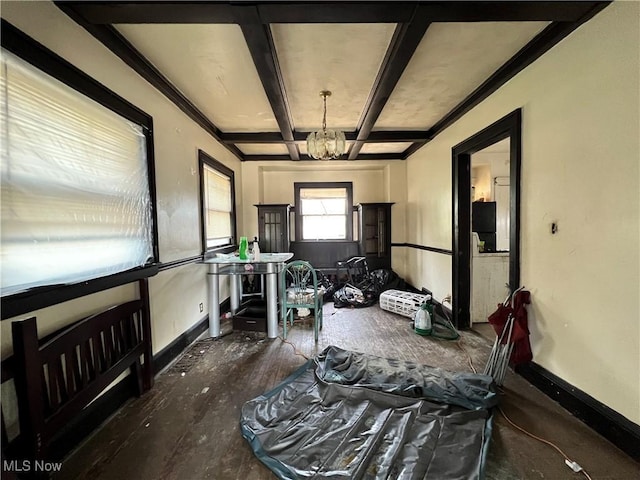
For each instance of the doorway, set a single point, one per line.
(508, 127)
(490, 182)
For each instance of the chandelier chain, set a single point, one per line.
(324, 116)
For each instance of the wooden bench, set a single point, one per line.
(56, 379)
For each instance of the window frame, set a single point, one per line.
(297, 186)
(34, 53)
(205, 159)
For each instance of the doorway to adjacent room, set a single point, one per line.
(509, 128)
(490, 183)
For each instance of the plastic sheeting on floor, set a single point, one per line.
(349, 415)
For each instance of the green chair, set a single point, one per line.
(300, 290)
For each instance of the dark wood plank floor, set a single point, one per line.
(186, 427)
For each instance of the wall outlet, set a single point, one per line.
(201, 307)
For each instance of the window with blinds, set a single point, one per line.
(76, 202)
(218, 200)
(324, 211)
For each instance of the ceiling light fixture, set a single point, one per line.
(325, 144)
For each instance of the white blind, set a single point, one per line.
(218, 206)
(323, 193)
(75, 193)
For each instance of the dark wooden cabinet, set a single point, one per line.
(374, 220)
(273, 227)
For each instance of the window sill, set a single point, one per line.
(42, 297)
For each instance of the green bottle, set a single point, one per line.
(244, 248)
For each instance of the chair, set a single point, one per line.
(300, 290)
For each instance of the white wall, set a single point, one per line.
(176, 293)
(580, 154)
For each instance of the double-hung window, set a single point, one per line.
(218, 203)
(324, 210)
(76, 198)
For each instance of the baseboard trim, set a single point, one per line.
(165, 356)
(616, 428)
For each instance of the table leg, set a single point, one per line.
(272, 300)
(234, 281)
(214, 301)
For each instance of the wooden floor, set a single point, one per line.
(186, 427)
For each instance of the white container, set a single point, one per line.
(256, 252)
(402, 303)
(422, 322)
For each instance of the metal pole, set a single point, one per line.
(214, 300)
(272, 300)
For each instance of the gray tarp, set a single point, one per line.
(350, 415)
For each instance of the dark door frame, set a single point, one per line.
(507, 127)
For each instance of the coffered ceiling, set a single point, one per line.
(400, 72)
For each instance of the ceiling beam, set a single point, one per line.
(116, 12)
(336, 12)
(265, 158)
(119, 45)
(393, 136)
(262, 49)
(537, 47)
(305, 158)
(121, 12)
(251, 137)
(404, 42)
(383, 136)
(302, 136)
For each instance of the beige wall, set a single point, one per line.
(176, 293)
(581, 156)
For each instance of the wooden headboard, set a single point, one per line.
(57, 378)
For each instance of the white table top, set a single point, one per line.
(230, 259)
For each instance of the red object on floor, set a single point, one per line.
(520, 332)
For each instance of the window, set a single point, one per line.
(76, 197)
(324, 211)
(218, 203)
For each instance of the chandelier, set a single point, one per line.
(325, 144)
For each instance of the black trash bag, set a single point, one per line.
(367, 292)
(350, 296)
(383, 280)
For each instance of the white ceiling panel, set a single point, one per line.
(342, 58)
(263, 148)
(450, 62)
(211, 65)
(392, 147)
